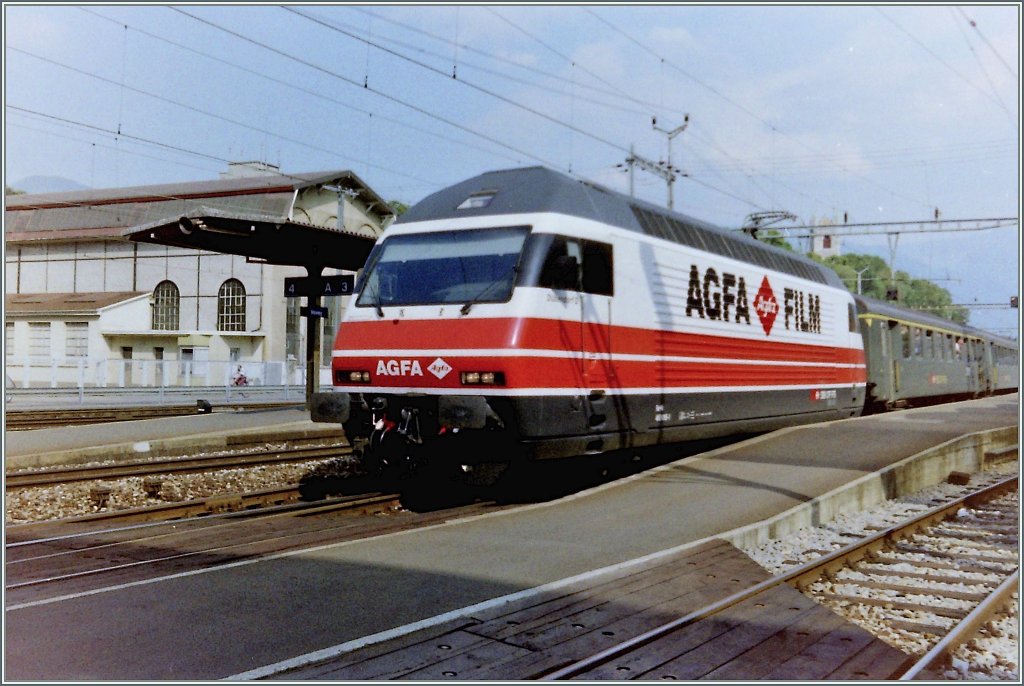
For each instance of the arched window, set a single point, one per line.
(165, 306)
(231, 306)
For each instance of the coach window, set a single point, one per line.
(905, 335)
(851, 315)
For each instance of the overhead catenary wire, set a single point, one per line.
(507, 100)
(416, 107)
(985, 40)
(229, 120)
(944, 63)
(118, 135)
(465, 47)
(738, 105)
(306, 91)
(368, 88)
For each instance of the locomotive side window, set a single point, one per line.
(578, 265)
(597, 268)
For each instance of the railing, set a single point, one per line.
(71, 379)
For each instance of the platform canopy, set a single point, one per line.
(274, 240)
(315, 220)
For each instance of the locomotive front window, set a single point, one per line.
(469, 266)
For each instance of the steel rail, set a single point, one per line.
(799, 577)
(967, 627)
(274, 501)
(28, 419)
(354, 503)
(59, 475)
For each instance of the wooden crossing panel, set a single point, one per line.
(781, 634)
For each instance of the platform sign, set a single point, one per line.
(313, 311)
(306, 286)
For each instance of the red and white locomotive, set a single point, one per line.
(524, 314)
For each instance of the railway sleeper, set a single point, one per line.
(939, 564)
(918, 627)
(953, 612)
(973, 596)
(925, 576)
(959, 556)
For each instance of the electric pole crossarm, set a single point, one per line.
(895, 228)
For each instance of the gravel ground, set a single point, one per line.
(993, 656)
(40, 503)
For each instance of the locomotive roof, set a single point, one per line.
(538, 189)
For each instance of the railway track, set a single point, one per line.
(45, 560)
(703, 612)
(173, 465)
(23, 420)
(67, 556)
(908, 567)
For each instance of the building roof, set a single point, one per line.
(64, 303)
(106, 213)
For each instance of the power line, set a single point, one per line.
(887, 228)
(368, 88)
(235, 122)
(740, 107)
(108, 147)
(486, 91)
(981, 65)
(991, 47)
(943, 62)
(476, 87)
(596, 77)
(494, 72)
(466, 47)
(306, 91)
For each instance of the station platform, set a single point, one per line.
(212, 623)
(217, 430)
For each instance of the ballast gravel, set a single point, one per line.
(992, 656)
(41, 503)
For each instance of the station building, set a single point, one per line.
(86, 305)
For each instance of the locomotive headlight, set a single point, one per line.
(483, 378)
(343, 376)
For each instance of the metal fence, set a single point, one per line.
(154, 380)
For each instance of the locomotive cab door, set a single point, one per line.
(597, 288)
(586, 267)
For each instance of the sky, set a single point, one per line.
(873, 113)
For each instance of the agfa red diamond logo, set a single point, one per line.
(766, 305)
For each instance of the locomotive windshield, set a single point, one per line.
(468, 266)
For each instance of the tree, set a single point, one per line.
(12, 191)
(921, 294)
(398, 207)
(876, 280)
(774, 237)
(875, 274)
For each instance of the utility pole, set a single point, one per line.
(671, 134)
(656, 168)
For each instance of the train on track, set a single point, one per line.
(525, 315)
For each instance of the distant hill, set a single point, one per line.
(47, 184)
